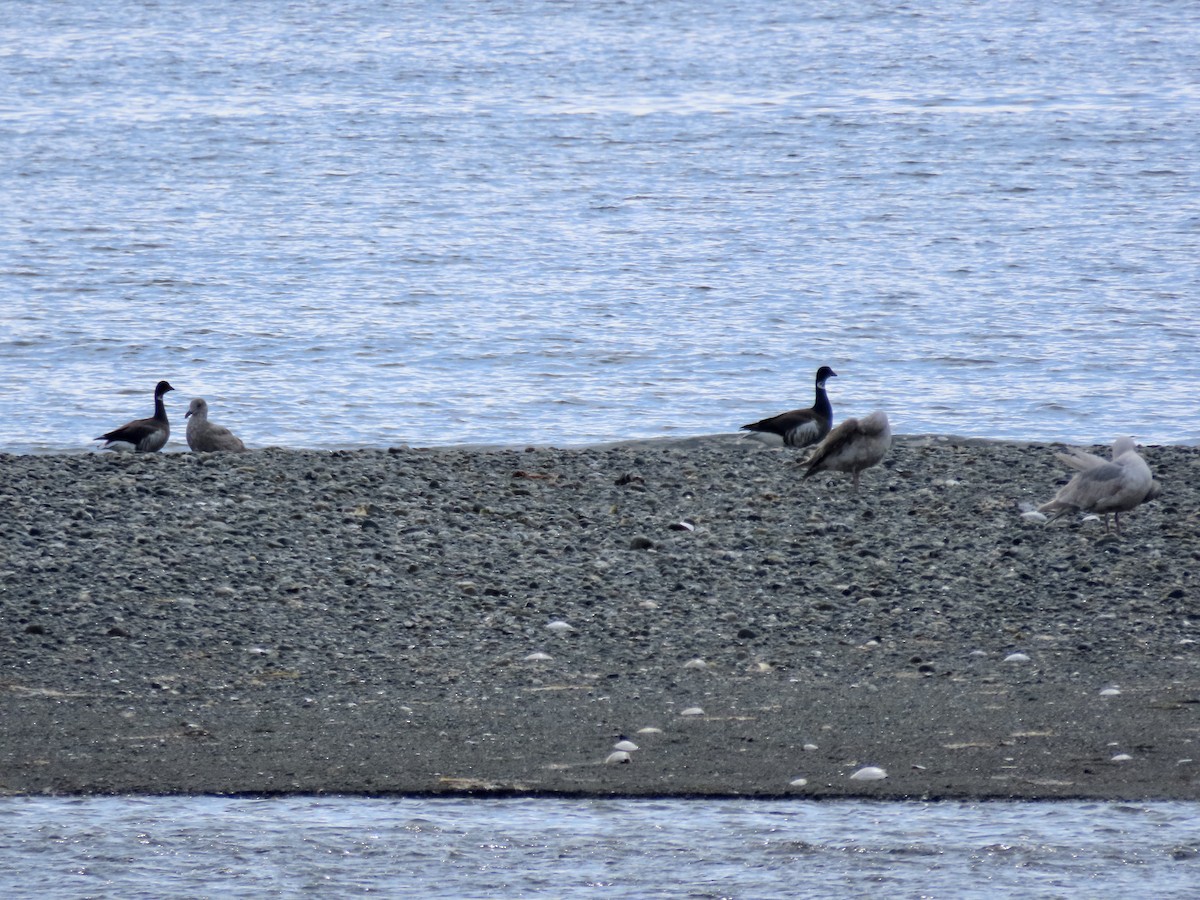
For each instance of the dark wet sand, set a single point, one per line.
(360, 622)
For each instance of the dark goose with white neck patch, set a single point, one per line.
(143, 435)
(802, 427)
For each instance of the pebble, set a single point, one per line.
(869, 773)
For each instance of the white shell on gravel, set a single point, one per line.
(1016, 657)
(1034, 516)
(558, 626)
(692, 711)
(626, 745)
(810, 747)
(649, 729)
(869, 773)
(1122, 757)
(1110, 692)
(619, 756)
(538, 656)
(798, 782)
(695, 664)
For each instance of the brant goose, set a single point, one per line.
(1104, 486)
(204, 436)
(801, 427)
(854, 445)
(142, 435)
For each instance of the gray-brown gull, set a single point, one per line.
(853, 446)
(801, 427)
(204, 436)
(143, 435)
(1104, 486)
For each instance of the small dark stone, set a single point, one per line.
(117, 631)
(641, 543)
(35, 629)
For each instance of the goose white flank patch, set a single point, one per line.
(801, 427)
(853, 446)
(143, 435)
(204, 436)
(1104, 486)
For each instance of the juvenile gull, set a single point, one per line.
(801, 427)
(143, 435)
(854, 445)
(204, 436)
(1082, 460)
(1104, 486)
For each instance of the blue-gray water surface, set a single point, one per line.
(220, 847)
(365, 223)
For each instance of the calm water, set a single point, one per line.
(361, 223)
(126, 848)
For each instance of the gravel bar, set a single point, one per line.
(490, 621)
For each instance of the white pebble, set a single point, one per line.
(695, 664)
(1034, 516)
(1110, 692)
(619, 756)
(810, 747)
(1016, 657)
(538, 656)
(1122, 757)
(626, 745)
(869, 773)
(692, 711)
(559, 627)
(798, 782)
(650, 729)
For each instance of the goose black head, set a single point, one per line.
(823, 373)
(163, 387)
